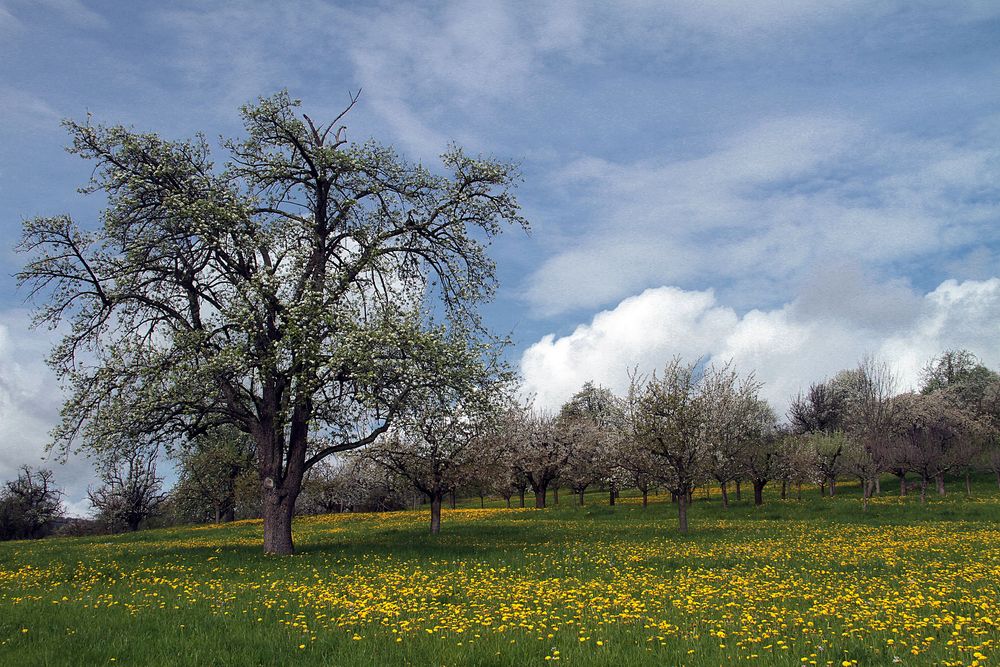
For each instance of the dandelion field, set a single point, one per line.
(790, 583)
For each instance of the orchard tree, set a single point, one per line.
(210, 469)
(440, 440)
(586, 462)
(935, 437)
(541, 455)
(761, 458)
(867, 394)
(587, 425)
(732, 408)
(286, 294)
(29, 505)
(670, 419)
(131, 491)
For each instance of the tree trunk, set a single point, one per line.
(645, 497)
(902, 485)
(482, 501)
(278, 510)
(739, 493)
(611, 497)
(878, 485)
(521, 494)
(454, 498)
(508, 502)
(822, 489)
(435, 514)
(968, 483)
(758, 491)
(784, 489)
(798, 490)
(724, 487)
(939, 478)
(923, 489)
(540, 497)
(682, 512)
(998, 478)
(555, 494)
(581, 496)
(833, 486)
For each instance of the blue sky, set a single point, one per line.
(785, 184)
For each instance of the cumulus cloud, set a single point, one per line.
(30, 399)
(787, 347)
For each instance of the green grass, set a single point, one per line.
(817, 579)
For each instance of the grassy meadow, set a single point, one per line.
(816, 582)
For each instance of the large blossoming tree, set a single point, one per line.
(301, 292)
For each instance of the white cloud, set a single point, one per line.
(788, 347)
(30, 399)
(769, 203)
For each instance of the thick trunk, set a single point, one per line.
(878, 485)
(645, 497)
(482, 501)
(902, 484)
(278, 509)
(739, 492)
(939, 478)
(611, 497)
(580, 492)
(521, 495)
(682, 512)
(281, 481)
(758, 491)
(508, 502)
(435, 514)
(454, 499)
(724, 487)
(822, 489)
(968, 483)
(798, 490)
(923, 489)
(833, 486)
(784, 489)
(555, 494)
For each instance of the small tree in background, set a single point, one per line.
(210, 471)
(29, 505)
(670, 418)
(541, 455)
(131, 491)
(440, 441)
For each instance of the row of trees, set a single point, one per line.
(689, 425)
(679, 428)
